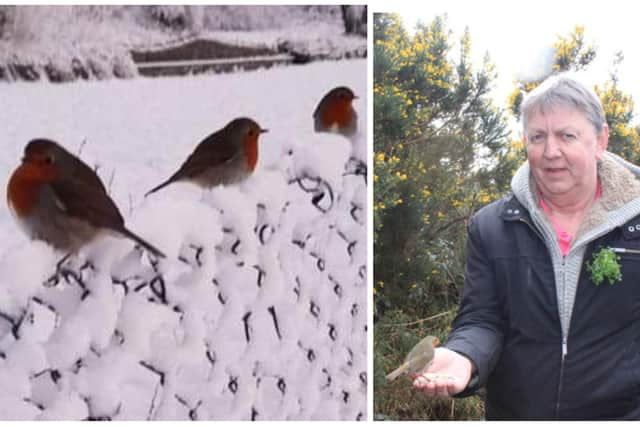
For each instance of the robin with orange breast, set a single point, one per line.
(335, 112)
(225, 157)
(57, 198)
(418, 359)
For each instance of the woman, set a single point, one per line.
(535, 326)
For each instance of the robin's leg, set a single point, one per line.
(64, 272)
(62, 261)
(356, 167)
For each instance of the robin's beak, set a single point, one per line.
(264, 130)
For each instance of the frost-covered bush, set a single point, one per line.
(172, 16)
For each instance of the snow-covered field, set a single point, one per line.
(65, 43)
(259, 311)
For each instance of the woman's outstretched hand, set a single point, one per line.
(448, 374)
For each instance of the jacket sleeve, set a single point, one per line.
(478, 328)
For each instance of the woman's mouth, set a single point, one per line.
(554, 171)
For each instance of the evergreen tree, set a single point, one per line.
(624, 139)
(572, 53)
(438, 142)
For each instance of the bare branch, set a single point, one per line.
(426, 319)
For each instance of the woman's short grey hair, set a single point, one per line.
(561, 90)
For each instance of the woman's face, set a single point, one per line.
(563, 148)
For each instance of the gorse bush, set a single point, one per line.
(438, 140)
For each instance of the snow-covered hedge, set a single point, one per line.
(258, 312)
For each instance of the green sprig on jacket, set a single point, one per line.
(605, 266)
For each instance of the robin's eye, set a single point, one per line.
(49, 160)
(252, 132)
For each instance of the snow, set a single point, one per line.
(67, 42)
(259, 310)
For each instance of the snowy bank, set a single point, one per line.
(69, 43)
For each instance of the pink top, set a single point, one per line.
(564, 238)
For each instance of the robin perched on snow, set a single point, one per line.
(225, 157)
(59, 199)
(418, 359)
(335, 112)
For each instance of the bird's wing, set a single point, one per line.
(80, 200)
(213, 151)
(424, 348)
(209, 154)
(81, 172)
(415, 352)
(316, 112)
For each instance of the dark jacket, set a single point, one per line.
(508, 324)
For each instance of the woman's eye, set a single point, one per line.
(569, 136)
(536, 138)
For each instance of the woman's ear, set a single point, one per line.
(602, 141)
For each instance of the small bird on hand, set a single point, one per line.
(418, 359)
(225, 157)
(57, 198)
(335, 112)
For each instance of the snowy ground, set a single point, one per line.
(65, 42)
(259, 310)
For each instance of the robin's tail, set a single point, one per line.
(403, 369)
(164, 184)
(155, 251)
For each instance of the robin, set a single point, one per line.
(225, 157)
(57, 198)
(418, 359)
(335, 112)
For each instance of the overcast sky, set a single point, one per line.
(518, 35)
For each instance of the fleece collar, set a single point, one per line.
(620, 182)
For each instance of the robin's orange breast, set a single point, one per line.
(23, 190)
(339, 113)
(251, 151)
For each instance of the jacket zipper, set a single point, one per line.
(625, 251)
(532, 228)
(564, 350)
(564, 339)
(564, 353)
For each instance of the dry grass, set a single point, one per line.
(394, 335)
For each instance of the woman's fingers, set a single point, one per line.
(434, 384)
